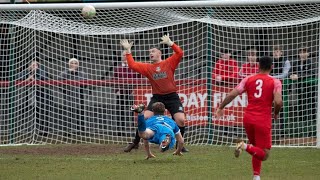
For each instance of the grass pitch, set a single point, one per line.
(110, 162)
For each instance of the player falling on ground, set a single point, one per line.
(158, 129)
(161, 76)
(262, 90)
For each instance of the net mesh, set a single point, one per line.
(92, 105)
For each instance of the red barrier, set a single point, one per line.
(111, 82)
(193, 94)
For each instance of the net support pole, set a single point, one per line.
(209, 79)
(11, 87)
(318, 107)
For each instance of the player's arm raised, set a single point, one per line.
(178, 53)
(136, 66)
(277, 98)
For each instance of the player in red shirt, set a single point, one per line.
(251, 67)
(161, 76)
(262, 90)
(226, 69)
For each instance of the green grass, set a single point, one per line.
(203, 162)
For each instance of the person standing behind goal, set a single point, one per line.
(161, 76)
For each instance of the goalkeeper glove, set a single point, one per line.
(126, 45)
(166, 40)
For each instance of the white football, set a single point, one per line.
(88, 11)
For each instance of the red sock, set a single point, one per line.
(256, 152)
(256, 166)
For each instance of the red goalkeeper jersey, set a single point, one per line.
(160, 75)
(260, 89)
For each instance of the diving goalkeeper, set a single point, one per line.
(158, 129)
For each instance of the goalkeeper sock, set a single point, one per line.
(256, 165)
(256, 152)
(182, 129)
(141, 123)
(136, 138)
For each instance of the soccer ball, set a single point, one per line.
(88, 11)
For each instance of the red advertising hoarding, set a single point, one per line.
(195, 103)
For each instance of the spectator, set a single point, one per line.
(34, 72)
(280, 70)
(251, 67)
(281, 66)
(73, 97)
(124, 94)
(73, 72)
(307, 92)
(39, 100)
(226, 69)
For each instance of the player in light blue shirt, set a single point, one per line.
(158, 129)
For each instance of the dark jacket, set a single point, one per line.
(72, 75)
(304, 69)
(38, 75)
(73, 95)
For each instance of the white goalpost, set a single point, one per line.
(46, 98)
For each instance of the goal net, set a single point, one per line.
(49, 97)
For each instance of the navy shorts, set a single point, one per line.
(171, 101)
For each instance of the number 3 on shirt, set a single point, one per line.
(259, 84)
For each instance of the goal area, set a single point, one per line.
(46, 98)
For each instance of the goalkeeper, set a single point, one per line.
(158, 129)
(161, 76)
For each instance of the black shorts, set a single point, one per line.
(171, 102)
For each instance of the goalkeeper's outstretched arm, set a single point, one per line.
(136, 66)
(176, 57)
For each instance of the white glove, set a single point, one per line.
(166, 40)
(126, 45)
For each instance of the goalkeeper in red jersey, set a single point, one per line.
(262, 90)
(161, 76)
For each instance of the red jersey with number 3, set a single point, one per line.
(260, 89)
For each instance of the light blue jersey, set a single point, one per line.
(164, 120)
(161, 126)
(160, 133)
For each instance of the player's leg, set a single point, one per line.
(240, 145)
(260, 139)
(256, 166)
(147, 114)
(174, 106)
(260, 151)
